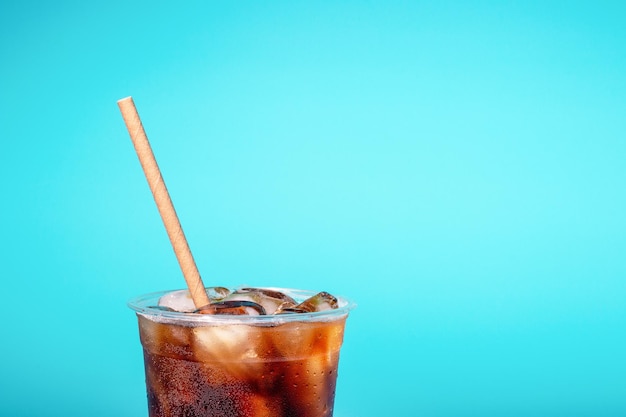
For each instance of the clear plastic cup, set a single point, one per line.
(240, 366)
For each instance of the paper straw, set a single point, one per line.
(163, 202)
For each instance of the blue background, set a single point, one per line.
(457, 168)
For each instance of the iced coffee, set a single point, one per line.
(251, 352)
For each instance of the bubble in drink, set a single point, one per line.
(263, 362)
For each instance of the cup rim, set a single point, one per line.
(146, 305)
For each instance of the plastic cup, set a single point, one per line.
(240, 366)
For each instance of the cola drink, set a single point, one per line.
(250, 353)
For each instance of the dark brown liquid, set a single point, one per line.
(288, 370)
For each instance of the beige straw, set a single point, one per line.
(163, 202)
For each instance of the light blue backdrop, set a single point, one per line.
(458, 168)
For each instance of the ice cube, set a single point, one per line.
(319, 302)
(270, 293)
(287, 308)
(270, 300)
(181, 301)
(217, 293)
(163, 339)
(236, 348)
(178, 301)
(233, 308)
